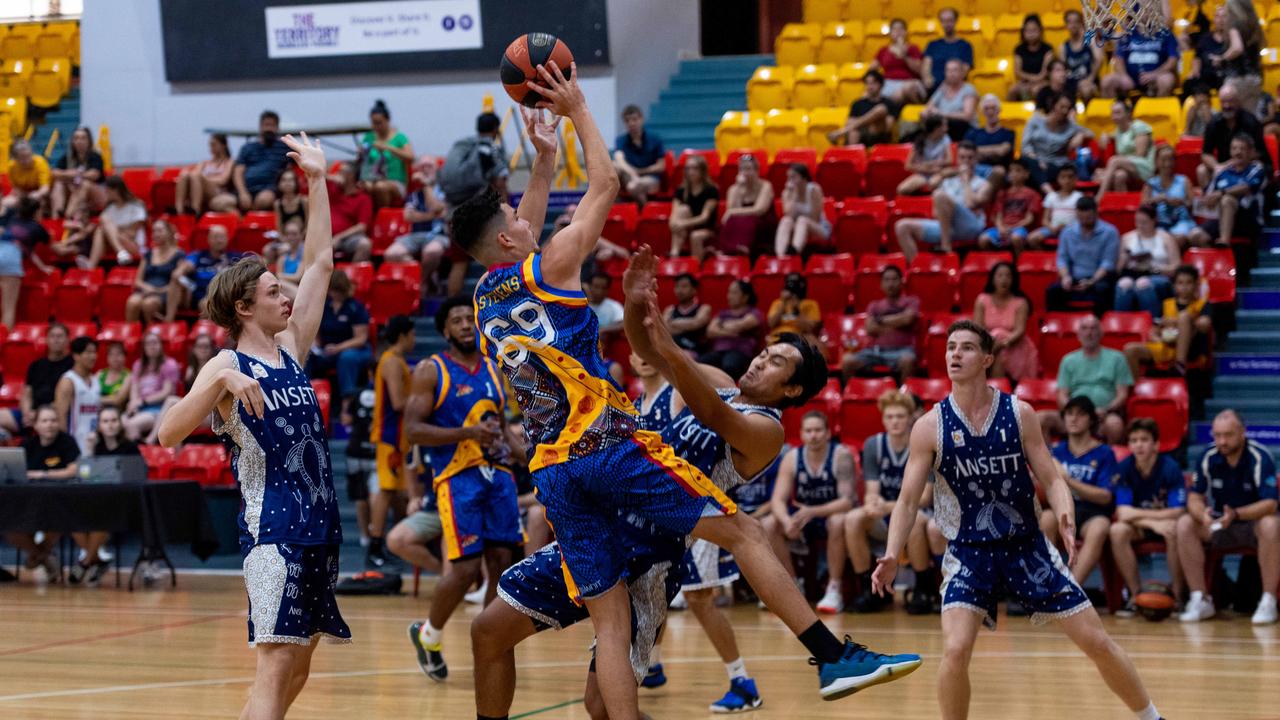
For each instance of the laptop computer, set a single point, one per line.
(13, 465)
(113, 469)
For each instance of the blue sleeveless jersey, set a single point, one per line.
(463, 398)
(547, 342)
(984, 491)
(703, 448)
(281, 461)
(892, 466)
(657, 415)
(816, 487)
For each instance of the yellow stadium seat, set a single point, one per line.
(974, 29)
(785, 129)
(15, 45)
(814, 86)
(50, 45)
(910, 114)
(823, 121)
(1163, 114)
(993, 75)
(739, 131)
(821, 11)
(1270, 69)
(1014, 115)
(993, 7)
(65, 28)
(1271, 26)
(45, 89)
(907, 9)
(75, 49)
(849, 85)
(1055, 29)
(768, 88)
(17, 109)
(16, 75)
(841, 43)
(875, 34)
(863, 10)
(1007, 35)
(59, 66)
(921, 30)
(1097, 116)
(797, 44)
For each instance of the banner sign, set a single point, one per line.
(1249, 364)
(366, 28)
(1265, 434)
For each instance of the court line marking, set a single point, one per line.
(113, 635)
(549, 708)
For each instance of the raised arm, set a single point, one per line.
(533, 204)
(317, 252)
(217, 384)
(924, 446)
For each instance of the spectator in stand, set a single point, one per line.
(994, 141)
(1097, 372)
(76, 243)
(19, 237)
(1241, 59)
(201, 352)
(51, 455)
(121, 227)
(42, 379)
(76, 397)
(197, 270)
(1151, 495)
(289, 261)
(29, 174)
(1083, 58)
(689, 317)
(385, 157)
(949, 47)
(1088, 251)
(109, 439)
(1059, 207)
(1030, 60)
(1208, 48)
(958, 204)
(424, 210)
(891, 322)
(351, 212)
(1170, 194)
(900, 63)
(1090, 472)
(804, 217)
(1195, 22)
(605, 251)
(930, 159)
(77, 178)
(1232, 504)
(693, 210)
(199, 184)
(1148, 257)
(155, 380)
(1015, 212)
(1004, 310)
(1134, 158)
(792, 312)
(748, 219)
(257, 169)
(343, 339)
(114, 381)
(1144, 63)
(289, 204)
(955, 100)
(639, 157)
(608, 311)
(1049, 139)
(1235, 193)
(156, 288)
(812, 497)
(1222, 130)
(871, 117)
(1182, 330)
(734, 334)
(1058, 83)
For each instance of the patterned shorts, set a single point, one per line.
(1028, 570)
(706, 566)
(291, 594)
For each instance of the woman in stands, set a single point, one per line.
(201, 352)
(1241, 61)
(930, 156)
(1004, 310)
(804, 219)
(110, 438)
(1134, 160)
(121, 226)
(1048, 140)
(288, 264)
(901, 64)
(749, 217)
(693, 210)
(115, 384)
(955, 100)
(1170, 194)
(20, 234)
(200, 183)
(290, 204)
(78, 176)
(1148, 257)
(155, 379)
(1059, 83)
(385, 159)
(153, 287)
(1030, 60)
(734, 334)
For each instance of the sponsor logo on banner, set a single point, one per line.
(367, 28)
(1249, 365)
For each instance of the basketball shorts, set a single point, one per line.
(1236, 535)
(1029, 570)
(587, 497)
(1086, 511)
(291, 594)
(536, 586)
(478, 507)
(427, 529)
(358, 471)
(390, 464)
(707, 565)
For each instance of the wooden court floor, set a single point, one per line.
(104, 654)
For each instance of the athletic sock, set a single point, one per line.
(821, 643)
(430, 636)
(486, 717)
(925, 580)
(736, 669)
(1148, 713)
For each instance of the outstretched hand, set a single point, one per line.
(885, 572)
(563, 97)
(1067, 531)
(640, 277)
(541, 133)
(308, 154)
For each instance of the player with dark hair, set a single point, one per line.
(982, 446)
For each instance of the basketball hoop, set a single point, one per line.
(1106, 20)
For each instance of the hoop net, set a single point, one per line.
(1106, 20)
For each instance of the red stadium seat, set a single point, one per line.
(935, 342)
(1037, 270)
(859, 225)
(907, 206)
(185, 226)
(1273, 148)
(973, 274)
(128, 334)
(1039, 393)
(11, 393)
(827, 402)
(1165, 400)
(174, 335)
(930, 390)
(324, 396)
(164, 190)
(886, 169)
(205, 464)
(769, 275)
(840, 172)
(1121, 328)
(668, 270)
(933, 279)
(251, 235)
(620, 226)
(115, 291)
(388, 225)
(76, 298)
(784, 159)
(1217, 267)
(23, 345)
(139, 181)
(199, 238)
(859, 414)
(718, 272)
(1057, 338)
(866, 283)
(361, 276)
(830, 279)
(729, 168)
(1118, 208)
(396, 291)
(1187, 156)
(160, 461)
(35, 297)
(207, 327)
(652, 227)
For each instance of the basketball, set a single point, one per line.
(1155, 602)
(521, 60)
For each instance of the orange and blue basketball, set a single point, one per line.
(1155, 602)
(521, 60)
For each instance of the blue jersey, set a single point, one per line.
(1096, 467)
(756, 492)
(816, 486)
(464, 397)
(281, 461)
(703, 448)
(1142, 53)
(1251, 479)
(1079, 61)
(655, 413)
(547, 342)
(984, 490)
(881, 464)
(1253, 176)
(1163, 488)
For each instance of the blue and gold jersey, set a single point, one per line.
(464, 397)
(385, 428)
(546, 342)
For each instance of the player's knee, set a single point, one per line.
(1097, 643)
(1268, 528)
(835, 524)
(1121, 532)
(705, 598)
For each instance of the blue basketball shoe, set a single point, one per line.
(655, 678)
(860, 668)
(742, 696)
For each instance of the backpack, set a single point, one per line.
(465, 174)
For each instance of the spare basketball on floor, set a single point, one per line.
(1155, 602)
(521, 60)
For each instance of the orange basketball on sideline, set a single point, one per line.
(1154, 605)
(521, 60)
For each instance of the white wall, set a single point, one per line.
(153, 122)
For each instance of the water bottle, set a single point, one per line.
(1084, 163)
